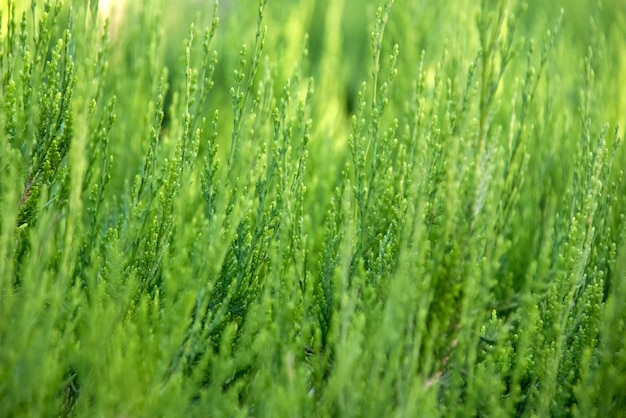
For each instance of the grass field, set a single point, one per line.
(314, 208)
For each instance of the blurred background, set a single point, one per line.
(339, 33)
(337, 36)
(342, 28)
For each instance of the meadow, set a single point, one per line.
(312, 208)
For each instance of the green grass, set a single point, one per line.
(313, 208)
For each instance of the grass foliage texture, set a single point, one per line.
(340, 208)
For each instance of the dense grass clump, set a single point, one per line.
(331, 208)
